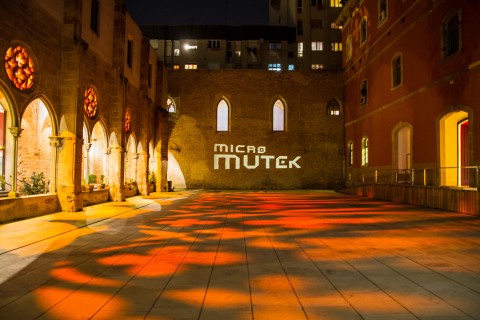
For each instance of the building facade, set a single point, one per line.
(89, 113)
(318, 37)
(412, 77)
(77, 92)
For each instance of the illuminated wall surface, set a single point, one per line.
(250, 149)
(242, 255)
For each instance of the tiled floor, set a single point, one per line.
(242, 255)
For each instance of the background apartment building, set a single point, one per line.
(299, 35)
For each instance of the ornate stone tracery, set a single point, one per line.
(20, 67)
(127, 123)
(90, 102)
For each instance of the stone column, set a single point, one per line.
(86, 163)
(15, 131)
(55, 143)
(116, 173)
(142, 174)
(68, 184)
(163, 177)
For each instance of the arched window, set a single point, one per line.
(333, 108)
(171, 107)
(397, 70)
(223, 116)
(350, 153)
(365, 151)
(364, 92)
(278, 116)
(451, 34)
(363, 30)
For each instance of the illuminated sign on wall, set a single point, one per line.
(250, 157)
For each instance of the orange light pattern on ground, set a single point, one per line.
(245, 255)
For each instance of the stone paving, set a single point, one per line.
(242, 255)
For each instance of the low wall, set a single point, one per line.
(12, 209)
(462, 200)
(96, 196)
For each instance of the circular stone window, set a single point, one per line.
(20, 67)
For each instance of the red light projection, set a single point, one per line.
(90, 102)
(20, 67)
(252, 255)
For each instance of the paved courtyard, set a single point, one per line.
(242, 255)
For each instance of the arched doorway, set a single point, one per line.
(175, 173)
(454, 149)
(98, 153)
(131, 160)
(34, 150)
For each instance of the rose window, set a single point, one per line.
(90, 103)
(20, 67)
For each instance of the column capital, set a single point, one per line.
(56, 141)
(15, 131)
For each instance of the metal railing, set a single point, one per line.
(468, 176)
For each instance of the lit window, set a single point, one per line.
(176, 67)
(335, 3)
(451, 35)
(94, 16)
(382, 10)
(365, 151)
(333, 108)
(364, 93)
(363, 30)
(291, 67)
(333, 25)
(278, 116)
(176, 48)
(317, 46)
(396, 71)
(300, 49)
(190, 66)
(223, 116)
(317, 66)
(336, 46)
(171, 105)
(275, 66)
(350, 154)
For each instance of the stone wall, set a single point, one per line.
(308, 154)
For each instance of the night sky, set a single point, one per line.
(196, 12)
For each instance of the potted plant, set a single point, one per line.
(102, 184)
(92, 179)
(151, 181)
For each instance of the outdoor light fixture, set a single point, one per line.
(190, 47)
